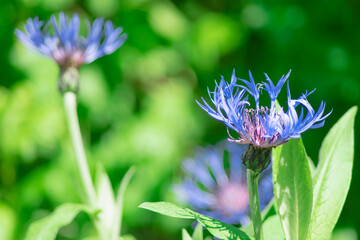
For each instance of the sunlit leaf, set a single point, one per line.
(105, 201)
(332, 177)
(168, 209)
(218, 229)
(198, 233)
(273, 229)
(292, 188)
(185, 235)
(311, 166)
(119, 202)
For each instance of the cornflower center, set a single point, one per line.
(69, 58)
(253, 124)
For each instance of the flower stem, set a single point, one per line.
(252, 181)
(86, 181)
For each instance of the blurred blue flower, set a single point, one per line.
(64, 44)
(216, 185)
(263, 127)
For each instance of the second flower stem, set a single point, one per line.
(255, 212)
(86, 181)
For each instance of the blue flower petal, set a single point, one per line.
(65, 45)
(263, 127)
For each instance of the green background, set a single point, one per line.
(137, 106)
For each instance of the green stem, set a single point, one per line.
(255, 212)
(85, 176)
(86, 181)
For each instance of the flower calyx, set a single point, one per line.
(256, 158)
(69, 80)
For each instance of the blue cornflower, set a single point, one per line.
(64, 44)
(218, 191)
(262, 127)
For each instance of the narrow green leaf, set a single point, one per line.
(311, 166)
(105, 201)
(47, 227)
(332, 177)
(218, 229)
(293, 188)
(185, 235)
(198, 232)
(273, 229)
(167, 209)
(119, 202)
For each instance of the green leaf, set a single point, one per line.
(185, 235)
(292, 188)
(105, 201)
(119, 202)
(249, 230)
(332, 177)
(273, 229)
(198, 232)
(218, 229)
(311, 166)
(47, 227)
(167, 209)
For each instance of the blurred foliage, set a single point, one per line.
(137, 106)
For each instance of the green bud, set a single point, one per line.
(256, 158)
(69, 80)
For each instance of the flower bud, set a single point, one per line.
(256, 158)
(69, 80)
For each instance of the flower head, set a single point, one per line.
(218, 191)
(263, 127)
(65, 45)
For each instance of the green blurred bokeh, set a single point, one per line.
(137, 106)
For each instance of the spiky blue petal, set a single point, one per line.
(65, 45)
(262, 126)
